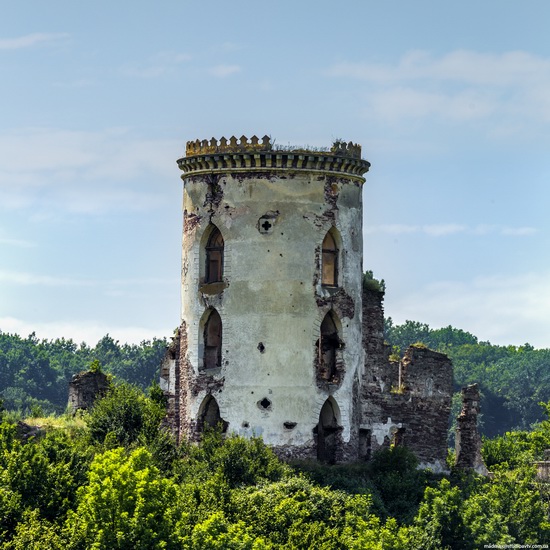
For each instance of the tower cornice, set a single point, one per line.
(255, 155)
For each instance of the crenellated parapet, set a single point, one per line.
(231, 145)
(255, 154)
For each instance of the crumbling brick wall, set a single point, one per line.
(85, 388)
(405, 402)
(468, 440)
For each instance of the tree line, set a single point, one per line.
(35, 374)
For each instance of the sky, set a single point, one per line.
(449, 100)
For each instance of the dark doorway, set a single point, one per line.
(328, 432)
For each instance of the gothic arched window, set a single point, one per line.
(328, 344)
(212, 341)
(214, 257)
(329, 261)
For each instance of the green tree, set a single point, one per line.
(127, 504)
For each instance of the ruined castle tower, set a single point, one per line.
(279, 335)
(270, 341)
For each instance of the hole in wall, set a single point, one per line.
(245, 425)
(261, 347)
(289, 425)
(265, 404)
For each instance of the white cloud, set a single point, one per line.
(461, 85)
(21, 243)
(85, 172)
(504, 310)
(222, 71)
(24, 278)
(30, 40)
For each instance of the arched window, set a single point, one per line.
(214, 257)
(328, 432)
(209, 415)
(327, 344)
(212, 341)
(329, 267)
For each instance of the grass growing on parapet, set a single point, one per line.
(419, 345)
(371, 283)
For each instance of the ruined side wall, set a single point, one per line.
(405, 402)
(468, 440)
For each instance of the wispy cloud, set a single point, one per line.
(502, 309)
(85, 172)
(21, 243)
(442, 230)
(223, 71)
(157, 65)
(37, 279)
(461, 85)
(30, 40)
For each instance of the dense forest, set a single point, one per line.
(34, 374)
(113, 478)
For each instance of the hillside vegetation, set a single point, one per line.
(513, 380)
(35, 374)
(114, 479)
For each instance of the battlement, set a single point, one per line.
(244, 154)
(253, 145)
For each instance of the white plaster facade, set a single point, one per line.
(271, 299)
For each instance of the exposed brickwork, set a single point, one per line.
(85, 388)
(405, 402)
(468, 441)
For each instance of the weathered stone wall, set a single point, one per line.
(468, 440)
(303, 364)
(271, 301)
(85, 388)
(407, 402)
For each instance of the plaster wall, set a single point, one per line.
(271, 297)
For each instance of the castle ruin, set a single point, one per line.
(279, 335)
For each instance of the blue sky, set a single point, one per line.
(451, 102)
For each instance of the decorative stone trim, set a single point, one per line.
(252, 155)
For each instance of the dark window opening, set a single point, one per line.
(213, 341)
(209, 415)
(214, 257)
(398, 438)
(327, 346)
(329, 262)
(365, 444)
(328, 433)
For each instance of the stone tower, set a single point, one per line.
(270, 340)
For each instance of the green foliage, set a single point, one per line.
(35, 533)
(36, 373)
(123, 415)
(234, 459)
(126, 504)
(439, 523)
(370, 283)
